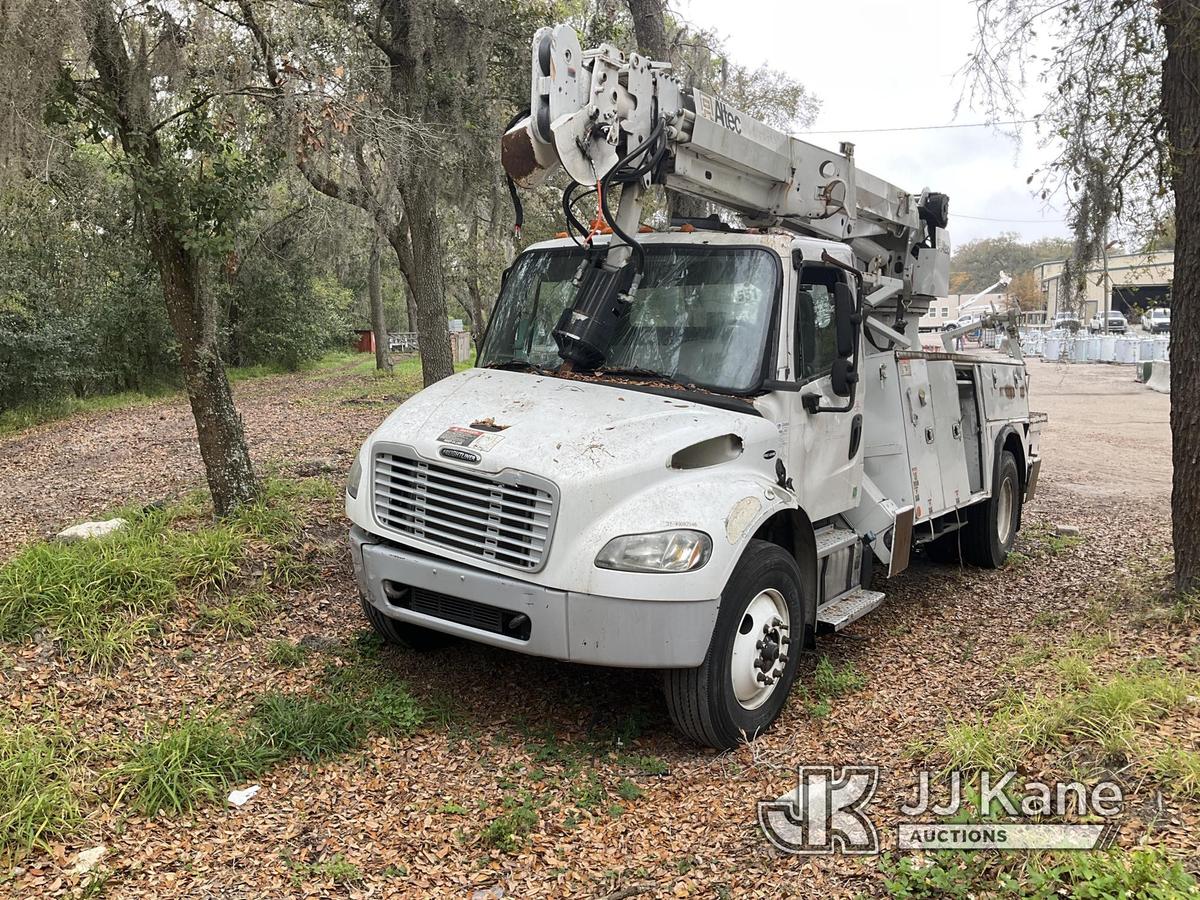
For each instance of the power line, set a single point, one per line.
(958, 215)
(922, 127)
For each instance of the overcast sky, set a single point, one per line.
(887, 64)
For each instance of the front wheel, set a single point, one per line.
(404, 634)
(992, 525)
(740, 688)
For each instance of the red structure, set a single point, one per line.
(366, 340)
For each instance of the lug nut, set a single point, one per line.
(758, 646)
(783, 660)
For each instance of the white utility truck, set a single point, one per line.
(686, 450)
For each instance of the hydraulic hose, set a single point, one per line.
(518, 207)
(621, 175)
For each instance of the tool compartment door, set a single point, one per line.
(948, 433)
(1005, 390)
(920, 431)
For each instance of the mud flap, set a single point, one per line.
(901, 548)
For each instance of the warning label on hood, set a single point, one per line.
(469, 437)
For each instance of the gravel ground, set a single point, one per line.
(948, 643)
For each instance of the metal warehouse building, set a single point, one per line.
(1132, 282)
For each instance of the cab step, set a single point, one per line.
(850, 607)
(831, 539)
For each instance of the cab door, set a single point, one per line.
(825, 446)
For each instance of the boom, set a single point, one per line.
(607, 118)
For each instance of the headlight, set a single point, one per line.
(662, 551)
(355, 477)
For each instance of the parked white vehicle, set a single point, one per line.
(1117, 323)
(686, 451)
(1157, 320)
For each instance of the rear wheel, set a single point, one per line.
(740, 688)
(992, 525)
(404, 634)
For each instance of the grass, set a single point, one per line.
(590, 794)
(194, 760)
(237, 614)
(337, 869)
(382, 388)
(1179, 770)
(308, 727)
(37, 803)
(353, 701)
(29, 415)
(286, 655)
(627, 790)
(22, 417)
(1075, 671)
(506, 831)
(647, 765)
(99, 598)
(1141, 874)
(829, 683)
(1105, 714)
(177, 766)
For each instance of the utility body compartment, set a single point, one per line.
(932, 420)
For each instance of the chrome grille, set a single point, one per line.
(504, 517)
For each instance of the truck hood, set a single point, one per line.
(562, 428)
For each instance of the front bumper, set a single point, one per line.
(564, 625)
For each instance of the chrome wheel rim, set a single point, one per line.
(760, 648)
(1004, 511)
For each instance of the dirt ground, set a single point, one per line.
(409, 813)
(65, 471)
(1108, 436)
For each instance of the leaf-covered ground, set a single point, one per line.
(477, 770)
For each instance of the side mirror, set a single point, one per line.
(843, 317)
(843, 377)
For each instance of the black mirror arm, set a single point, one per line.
(812, 402)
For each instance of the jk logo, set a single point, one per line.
(825, 813)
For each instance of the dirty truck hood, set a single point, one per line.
(560, 427)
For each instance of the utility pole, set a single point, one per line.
(1107, 287)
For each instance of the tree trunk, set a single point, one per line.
(1181, 105)
(192, 313)
(650, 31)
(222, 439)
(410, 309)
(478, 325)
(427, 280)
(649, 28)
(383, 358)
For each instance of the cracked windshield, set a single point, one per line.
(700, 317)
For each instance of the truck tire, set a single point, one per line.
(992, 525)
(404, 634)
(760, 631)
